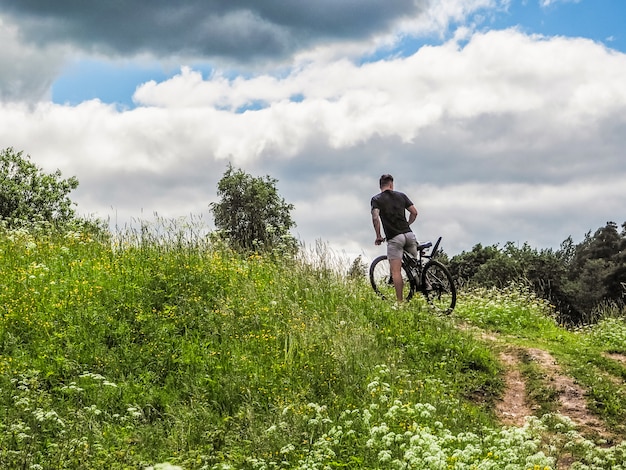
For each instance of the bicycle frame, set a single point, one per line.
(413, 266)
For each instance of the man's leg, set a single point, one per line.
(396, 275)
(394, 255)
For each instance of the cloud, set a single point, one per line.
(26, 71)
(243, 30)
(474, 93)
(548, 3)
(542, 214)
(245, 36)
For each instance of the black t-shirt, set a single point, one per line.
(392, 206)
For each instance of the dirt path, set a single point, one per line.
(514, 407)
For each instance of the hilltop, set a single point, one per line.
(139, 350)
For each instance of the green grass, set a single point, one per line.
(539, 389)
(169, 348)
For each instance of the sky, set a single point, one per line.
(502, 120)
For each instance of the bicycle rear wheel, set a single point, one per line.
(382, 283)
(438, 287)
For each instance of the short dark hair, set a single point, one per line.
(385, 180)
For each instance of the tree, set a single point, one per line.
(251, 214)
(464, 267)
(577, 279)
(598, 269)
(28, 195)
(604, 244)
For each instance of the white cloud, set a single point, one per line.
(548, 3)
(502, 72)
(441, 14)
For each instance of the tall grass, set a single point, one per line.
(162, 346)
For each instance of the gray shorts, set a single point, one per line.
(400, 243)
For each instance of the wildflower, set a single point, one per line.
(165, 466)
(287, 449)
(384, 456)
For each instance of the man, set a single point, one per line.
(389, 207)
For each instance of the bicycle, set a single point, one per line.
(422, 274)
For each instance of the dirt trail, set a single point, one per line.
(514, 407)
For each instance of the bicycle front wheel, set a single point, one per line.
(438, 287)
(382, 283)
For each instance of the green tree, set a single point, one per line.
(616, 279)
(543, 271)
(251, 214)
(498, 271)
(597, 270)
(577, 279)
(604, 244)
(465, 265)
(29, 195)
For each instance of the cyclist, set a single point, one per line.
(389, 207)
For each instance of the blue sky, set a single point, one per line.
(109, 82)
(503, 120)
(600, 20)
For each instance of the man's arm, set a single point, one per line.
(376, 223)
(412, 214)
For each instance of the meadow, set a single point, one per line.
(162, 348)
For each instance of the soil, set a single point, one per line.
(514, 407)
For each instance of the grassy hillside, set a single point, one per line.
(168, 348)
